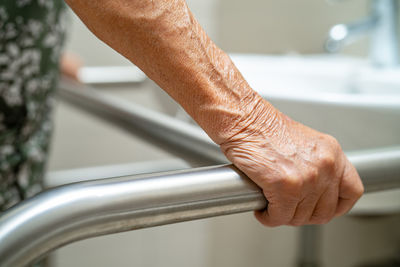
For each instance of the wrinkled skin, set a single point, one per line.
(303, 173)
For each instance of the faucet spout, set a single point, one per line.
(341, 35)
(381, 25)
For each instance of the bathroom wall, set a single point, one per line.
(253, 26)
(285, 26)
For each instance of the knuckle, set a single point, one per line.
(354, 184)
(290, 181)
(313, 175)
(295, 181)
(359, 191)
(333, 142)
(327, 161)
(293, 185)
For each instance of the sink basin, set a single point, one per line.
(341, 96)
(337, 76)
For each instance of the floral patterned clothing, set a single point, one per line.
(31, 37)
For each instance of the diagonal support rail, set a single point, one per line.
(77, 211)
(167, 132)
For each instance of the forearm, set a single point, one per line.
(164, 39)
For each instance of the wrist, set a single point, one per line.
(254, 116)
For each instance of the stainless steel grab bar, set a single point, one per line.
(77, 211)
(73, 212)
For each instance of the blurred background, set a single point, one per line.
(261, 27)
(252, 26)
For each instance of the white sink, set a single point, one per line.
(344, 97)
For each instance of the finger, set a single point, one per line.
(350, 190)
(344, 206)
(70, 65)
(277, 214)
(326, 206)
(304, 210)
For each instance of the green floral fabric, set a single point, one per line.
(31, 37)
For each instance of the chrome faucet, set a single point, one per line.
(381, 24)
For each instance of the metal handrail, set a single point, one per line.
(73, 212)
(82, 210)
(165, 131)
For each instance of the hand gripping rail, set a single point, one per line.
(77, 211)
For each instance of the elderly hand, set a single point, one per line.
(304, 174)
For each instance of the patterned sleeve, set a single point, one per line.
(30, 43)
